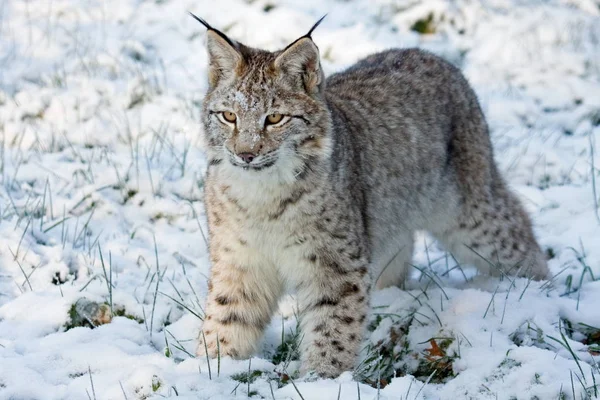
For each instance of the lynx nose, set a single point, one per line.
(247, 157)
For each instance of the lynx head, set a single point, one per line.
(264, 114)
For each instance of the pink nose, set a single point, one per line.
(247, 157)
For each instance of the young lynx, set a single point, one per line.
(315, 185)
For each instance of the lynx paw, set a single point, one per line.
(207, 345)
(215, 345)
(539, 269)
(227, 341)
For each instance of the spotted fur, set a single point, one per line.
(396, 143)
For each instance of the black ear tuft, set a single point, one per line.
(203, 22)
(210, 28)
(308, 35)
(315, 26)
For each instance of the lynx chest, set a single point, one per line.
(264, 227)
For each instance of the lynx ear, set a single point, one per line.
(225, 59)
(301, 60)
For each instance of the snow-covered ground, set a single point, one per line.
(101, 166)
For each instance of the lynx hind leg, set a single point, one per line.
(496, 236)
(394, 266)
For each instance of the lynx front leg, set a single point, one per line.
(243, 293)
(334, 303)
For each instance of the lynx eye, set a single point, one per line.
(229, 116)
(273, 119)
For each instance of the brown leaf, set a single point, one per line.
(434, 351)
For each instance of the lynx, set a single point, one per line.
(317, 186)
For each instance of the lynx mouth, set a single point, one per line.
(254, 167)
(261, 162)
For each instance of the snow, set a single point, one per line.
(102, 167)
